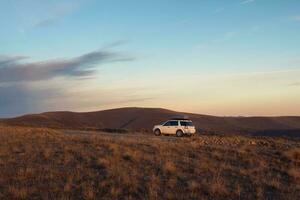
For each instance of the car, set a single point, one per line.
(178, 127)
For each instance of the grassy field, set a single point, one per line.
(38, 163)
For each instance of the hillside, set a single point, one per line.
(145, 118)
(41, 163)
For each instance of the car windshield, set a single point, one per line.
(186, 123)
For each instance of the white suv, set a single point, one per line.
(175, 127)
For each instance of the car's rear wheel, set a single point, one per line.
(157, 132)
(179, 133)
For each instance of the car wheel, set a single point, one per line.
(179, 133)
(157, 132)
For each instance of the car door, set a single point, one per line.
(173, 127)
(166, 127)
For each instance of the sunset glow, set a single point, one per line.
(234, 57)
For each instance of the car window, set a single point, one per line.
(185, 123)
(174, 123)
(167, 123)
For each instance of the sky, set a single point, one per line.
(225, 58)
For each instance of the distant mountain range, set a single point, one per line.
(137, 119)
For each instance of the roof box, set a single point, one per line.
(180, 117)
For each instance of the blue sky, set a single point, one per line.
(233, 57)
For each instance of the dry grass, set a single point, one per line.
(37, 163)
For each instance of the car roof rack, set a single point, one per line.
(180, 117)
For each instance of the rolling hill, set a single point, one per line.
(144, 118)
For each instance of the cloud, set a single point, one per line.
(218, 10)
(231, 34)
(46, 22)
(56, 13)
(295, 18)
(247, 1)
(10, 60)
(17, 99)
(263, 74)
(294, 84)
(14, 69)
(55, 84)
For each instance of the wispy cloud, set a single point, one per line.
(247, 1)
(10, 60)
(248, 75)
(263, 73)
(14, 69)
(294, 84)
(202, 46)
(21, 98)
(46, 22)
(18, 99)
(56, 14)
(231, 34)
(295, 18)
(218, 10)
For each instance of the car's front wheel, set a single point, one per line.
(179, 133)
(157, 132)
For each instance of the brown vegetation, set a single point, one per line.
(40, 163)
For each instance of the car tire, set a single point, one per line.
(179, 133)
(157, 132)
